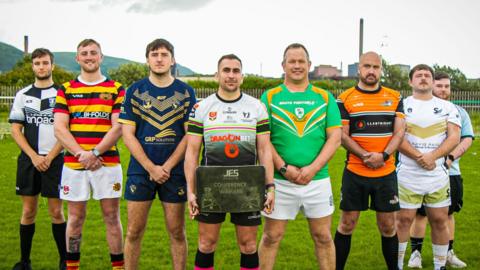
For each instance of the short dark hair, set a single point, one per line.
(159, 43)
(88, 41)
(230, 57)
(39, 52)
(420, 67)
(295, 46)
(439, 75)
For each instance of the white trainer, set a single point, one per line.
(453, 261)
(415, 260)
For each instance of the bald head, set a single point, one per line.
(369, 70)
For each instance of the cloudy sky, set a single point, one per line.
(403, 31)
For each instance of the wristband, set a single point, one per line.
(270, 187)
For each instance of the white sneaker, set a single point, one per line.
(415, 260)
(453, 261)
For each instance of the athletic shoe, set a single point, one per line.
(453, 261)
(415, 260)
(21, 265)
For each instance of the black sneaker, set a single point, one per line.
(62, 265)
(22, 265)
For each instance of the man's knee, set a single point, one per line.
(347, 224)
(28, 214)
(56, 213)
(134, 233)
(271, 238)
(207, 245)
(248, 247)
(322, 238)
(386, 226)
(177, 234)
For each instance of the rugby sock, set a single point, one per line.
(450, 244)
(439, 255)
(204, 261)
(402, 247)
(58, 231)
(117, 261)
(416, 244)
(390, 251)
(73, 260)
(249, 261)
(342, 248)
(26, 237)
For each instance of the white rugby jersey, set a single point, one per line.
(427, 126)
(229, 129)
(33, 108)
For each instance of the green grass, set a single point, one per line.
(296, 251)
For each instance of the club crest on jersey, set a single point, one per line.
(147, 103)
(106, 96)
(66, 190)
(409, 110)
(212, 116)
(437, 110)
(246, 114)
(51, 102)
(299, 112)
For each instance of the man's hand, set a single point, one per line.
(88, 160)
(448, 162)
(269, 201)
(373, 160)
(192, 205)
(427, 161)
(305, 175)
(41, 163)
(159, 174)
(292, 173)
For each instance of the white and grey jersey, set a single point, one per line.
(33, 108)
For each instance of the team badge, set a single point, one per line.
(394, 200)
(437, 110)
(181, 191)
(299, 112)
(117, 187)
(51, 102)
(246, 114)
(387, 103)
(66, 190)
(212, 116)
(133, 188)
(106, 96)
(147, 103)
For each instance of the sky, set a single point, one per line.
(443, 32)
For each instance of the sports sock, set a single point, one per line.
(249, 261)
(450, 245)
(342, 249)
(26, 237)
(402, 247)
(204, 261)
(73, 261)
(390, 251)
(58, 231)
(117, 261)
(439, 255)
(416, 244)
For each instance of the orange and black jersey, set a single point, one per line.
(370, 116)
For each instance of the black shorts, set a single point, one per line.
(456, 196)
(242, 219)
(357, 189)
(139, 187)
(31, 182)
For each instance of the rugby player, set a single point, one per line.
(153, 118)
(86, 114)
(441, 89)
(305, 132)
(228, 113)
(40, 162)
(433, 131)
(373, 127)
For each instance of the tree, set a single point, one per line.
(129, 73)
(22, 74)
(393, 77)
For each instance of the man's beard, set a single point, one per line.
(369, 83)
(43, 78)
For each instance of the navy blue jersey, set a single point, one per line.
(159, 115)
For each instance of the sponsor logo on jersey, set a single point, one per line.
(106, 96)
(97, 115)
(229, 138)
(77, 95)
(437, 110)
(39, 119)
(387, 103)
(246, 114)
(230, 111)
(409, 110)
(360, 124)
(165, 136)
(51, 102)
(116, 187)
(212, 116)
(358, 104)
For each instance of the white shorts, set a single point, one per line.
(417, 187)
(105, 183)
(315, 199)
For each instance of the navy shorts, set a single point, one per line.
(139, 187)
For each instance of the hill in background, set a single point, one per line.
(10, 55)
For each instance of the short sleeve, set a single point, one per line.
(127, 116)
(334, 119)
(61, 101)
(263, 122)
(17, 114)
(189, 103)
(195, 122)
(119, 100)
(399, 112)
(467, 128)
(454, 115)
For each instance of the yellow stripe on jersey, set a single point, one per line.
(91, 89)
(90, 108)
(429, 131)
(90, 128)
(61, 100)
(127, 122)
(89, 147)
